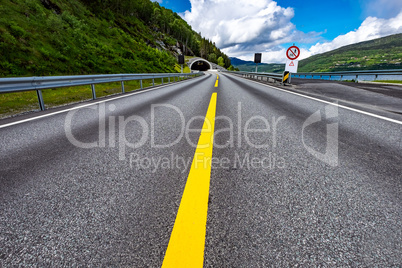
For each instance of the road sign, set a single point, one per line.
(180, 59)
(293, 53)
(291, 66)
(257, 58)
(286, 77)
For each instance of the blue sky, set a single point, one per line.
(316, 26)
(178, 6)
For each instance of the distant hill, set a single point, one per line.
(62, 37)
(377, 54)
(249, 66)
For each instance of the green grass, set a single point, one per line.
(389, 81)
(187, 58)
(37, 41)
(378, 54)
(186, 69)
(20, 102)
(14, 103)
(75, 38)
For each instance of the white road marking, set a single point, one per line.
(331, 103)
(85, 105)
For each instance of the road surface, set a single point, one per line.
(295, 180)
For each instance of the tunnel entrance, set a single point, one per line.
(200, 65)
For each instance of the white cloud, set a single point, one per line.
(241, 23)
(381, 8)
(371, 28)
(241, 28)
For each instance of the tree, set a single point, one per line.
(212, 58)
(221, 62)
(228, 63)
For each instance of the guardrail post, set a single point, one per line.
(93, 92)
(122, 87)
(162, 80)
(169, 79)
(341, 77)
(376, 76)
(330, 77)
(40, 99)
(357, 78)
(153, 82)
(141, 83)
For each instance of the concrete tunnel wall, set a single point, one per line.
(200, 65)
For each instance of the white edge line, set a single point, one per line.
(334, 104)
(85, 105)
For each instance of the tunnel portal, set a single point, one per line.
(200, 65)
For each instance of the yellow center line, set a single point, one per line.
(187, 241)
(216, 83)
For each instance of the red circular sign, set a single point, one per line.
(293, 53)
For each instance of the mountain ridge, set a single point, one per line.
(249, 66)
(376, 54)
(72, 37)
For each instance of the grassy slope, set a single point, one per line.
(378, 54)
(68, 39)
(382, 53)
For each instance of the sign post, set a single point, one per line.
(286, 77)
(181, 61)
(291, 64)
(257, 59)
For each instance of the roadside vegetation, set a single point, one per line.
(78, 37)
(378, 54)
(14, 103)
(60, 37)
(389, 81)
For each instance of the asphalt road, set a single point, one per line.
(297, 181)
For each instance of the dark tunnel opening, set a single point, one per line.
(200, 66)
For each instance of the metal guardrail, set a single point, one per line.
(260, 76)
(317, 75)
(341, 75)
(18, 84)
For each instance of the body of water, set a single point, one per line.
(353, 77)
